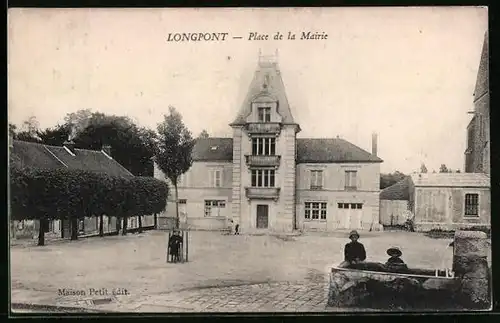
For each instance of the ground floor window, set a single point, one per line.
(315, 211)
(358, 206)
(471, 204)
(213, 207)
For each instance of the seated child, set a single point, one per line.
(395, 263)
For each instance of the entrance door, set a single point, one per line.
(262, 216)
(355, 213)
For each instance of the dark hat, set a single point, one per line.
(353, 233)
(394, 252)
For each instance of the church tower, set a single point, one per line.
(264, 154)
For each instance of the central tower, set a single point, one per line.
(264, 151)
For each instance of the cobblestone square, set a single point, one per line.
(225, 273)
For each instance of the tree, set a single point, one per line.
(55, 136)
(27, 132)
(387, 180)
(423, 168)
(12, 129)
(204, 134)
(175, 145)
(443, 169)
(77, 121)
(131, 146)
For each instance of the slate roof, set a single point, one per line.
(451, 180)
(50, 157)
(213, 149)
(308, 151)
(397, 191)
(334, 150)
(267, 73)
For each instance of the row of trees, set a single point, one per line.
(71, 195)
(132, 146)
(442, 169)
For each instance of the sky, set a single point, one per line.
(407, 74)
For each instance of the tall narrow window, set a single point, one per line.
(471, 204)
(316, 179)
(216, 178)
(263, 177)
(264, 114)
(350, 180)
(264, 146)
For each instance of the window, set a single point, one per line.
(471, 204)
(264, 146)
(212, 207)
(264, 114)
(263, 177)
(216, 178)
(358, 206)
(182, 201)
(316, 179)
(315, 211)
(350, 179)
(480, 121)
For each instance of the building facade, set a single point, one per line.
(264, 178)
(477, 154)
(450, 201)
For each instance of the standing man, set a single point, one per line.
(174, 244)
(354, 252)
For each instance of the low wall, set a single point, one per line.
(428, 226)
(200, 223)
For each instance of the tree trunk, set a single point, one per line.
(177, 221)
(74, 229)
(118, 226)
(124, 229)
(140, 224)
(62, 228)
(156, 221)
(101, 225)
(41, 232)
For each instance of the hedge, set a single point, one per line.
(69, 194)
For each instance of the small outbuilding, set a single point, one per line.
(446, 201)
(450, 201)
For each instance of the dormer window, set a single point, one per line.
(264, 114)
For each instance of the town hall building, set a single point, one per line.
(267, 179)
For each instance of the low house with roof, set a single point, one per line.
(446, 201)
(265, 179)
(394, 201)
(29, 154)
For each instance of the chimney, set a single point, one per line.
(106, 149)
(374, 144)
(70, 146)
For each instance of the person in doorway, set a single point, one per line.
(237, 229)
(354, 251)
(174, 244)
(395, 263)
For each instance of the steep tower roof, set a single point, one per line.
(482, 82)
(267, 82)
